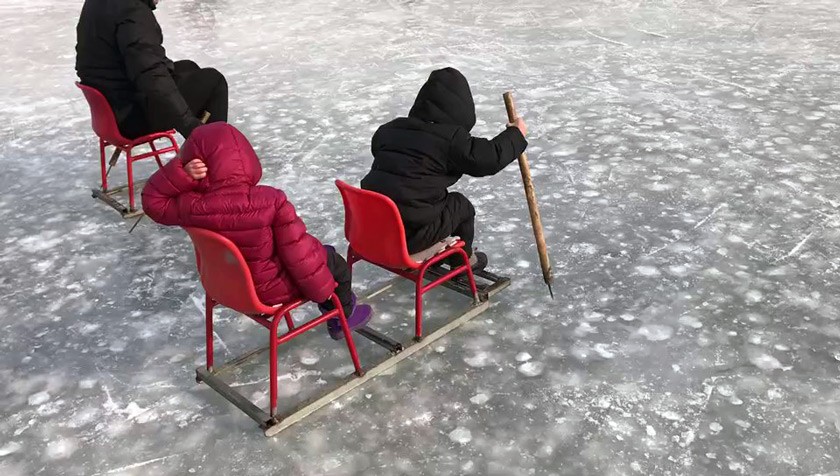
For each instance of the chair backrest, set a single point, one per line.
(224, 272)
(374, 228)
(102, 116)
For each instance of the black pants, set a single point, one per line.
(456, 219)
(203, 89)
(341, 273)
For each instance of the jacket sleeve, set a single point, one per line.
(481, 157)
(146, 65)
(301, 254)
(163, 191)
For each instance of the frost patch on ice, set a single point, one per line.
(671, 415)
(765, 361)
(62, 448)
(691, 321)
(480, 398)
(647, 270)
(650, 431)
(9, 448)
(655, 332)
(480, 359)
(523, 357)
(38, 398)
(460, 435)
(603, 350)
(307, 357)
(627, 317)
(531, 369)
(754, 296)
(715, 427)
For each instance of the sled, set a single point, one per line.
(105, 127)
(387, 251)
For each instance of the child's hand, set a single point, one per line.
(519, 123)
(196, 169)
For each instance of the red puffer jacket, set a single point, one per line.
(286, 263)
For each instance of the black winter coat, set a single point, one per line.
(416, 158)
(119, 51)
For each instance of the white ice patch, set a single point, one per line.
(647, 270)
(655, 332)
(61, 449)
(691, 321)
(480, 398)
(38, 398)
(650, 431)
(754, 296)
(480, 359)
(523, 357)
(715, 427)
(460, 435)
(9, 448)
(765, 361)
(531, 369)
(603, 350)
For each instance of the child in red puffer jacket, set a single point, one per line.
(212, 184)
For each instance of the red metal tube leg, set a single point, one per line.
(289, 322)
(103, 165)
(208, 325)
(470, 275)
(348, 336)
(418, 308)
(272, 366)
(157, 154)
(129, 167)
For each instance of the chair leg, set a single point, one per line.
(272, 367)
(174, 143)
(289, 322)
(418, 309)
(348, 336)
(351, 259)
(470, 275)
(208, 324)
(157, 155)
(103, 165)
(130, 168)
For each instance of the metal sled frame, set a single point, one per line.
(274, 424)
(105, 194)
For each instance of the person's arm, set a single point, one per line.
(301, 254)
(162, 192)
(147, 66)
(480, 157)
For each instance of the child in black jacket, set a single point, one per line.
(416, 158)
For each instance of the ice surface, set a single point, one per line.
(685, 154)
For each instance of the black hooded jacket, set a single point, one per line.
(416, 158)
(119, 51)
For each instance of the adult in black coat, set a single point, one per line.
(417, 158)
(119, 51)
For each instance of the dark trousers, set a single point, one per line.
(341, 273)
(456, 219)
(203, 89)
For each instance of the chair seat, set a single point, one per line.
(147, 138)
(422, 256)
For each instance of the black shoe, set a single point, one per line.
(478, 261)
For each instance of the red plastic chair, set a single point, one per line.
(105, 127)
(227, 281)
(374, 228)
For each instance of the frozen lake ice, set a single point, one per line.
(685, 156)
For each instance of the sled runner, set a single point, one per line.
(105, 127)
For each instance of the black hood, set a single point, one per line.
(150, 3)
(445, 99)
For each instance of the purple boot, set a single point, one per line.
(358, 318)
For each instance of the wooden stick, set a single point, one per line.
(531, 196)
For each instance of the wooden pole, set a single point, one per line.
(533, 207)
